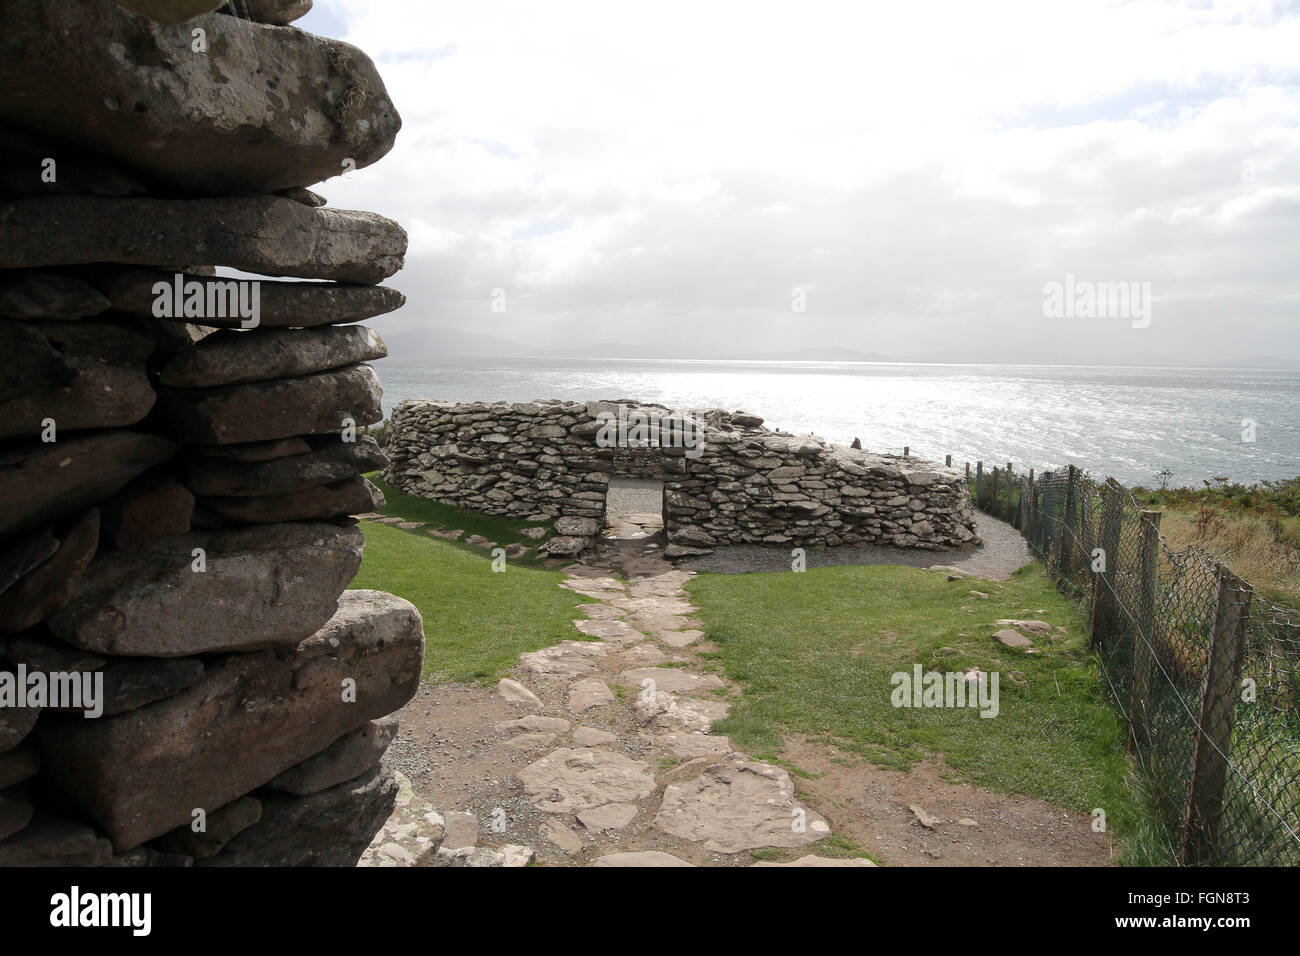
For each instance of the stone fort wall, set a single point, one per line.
(727, 480)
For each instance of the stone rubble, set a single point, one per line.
(178, 478)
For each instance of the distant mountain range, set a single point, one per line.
(446, 344)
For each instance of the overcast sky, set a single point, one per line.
(669, 174)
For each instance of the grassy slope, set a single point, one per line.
(815, 651)
(501, 530)
(476, 622)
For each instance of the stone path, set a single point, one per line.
(618, 725)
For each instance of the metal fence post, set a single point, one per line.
(1200, 828)
(1144, 639)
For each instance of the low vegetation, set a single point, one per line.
(815, 651)
(1254, 529)
(476, 621)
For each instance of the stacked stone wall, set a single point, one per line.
(746, 484)
(178, 459)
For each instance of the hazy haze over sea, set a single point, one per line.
(1125, 422)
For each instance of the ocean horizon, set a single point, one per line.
(1128, 422)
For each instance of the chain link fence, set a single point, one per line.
(1206, 672)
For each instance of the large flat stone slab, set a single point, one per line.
(666, 712)
(264, 410)
(80, 374)
(264, 108)
(260, 234)
(331, 827)
(281, 304)
(262, 587)
(332, 459)
(37, 295)
(253, 717)
(42, 482)
(229, 357)
(738, 804)
(675, 680)
(566, 659)
(352, 496)
(571, 780)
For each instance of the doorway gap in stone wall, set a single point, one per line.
(634, 508)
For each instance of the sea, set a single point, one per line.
(1193, 424)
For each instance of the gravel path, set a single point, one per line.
(634, 496)
(1002, 552)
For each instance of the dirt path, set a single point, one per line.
(599, 751)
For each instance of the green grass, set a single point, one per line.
(814, 653)
(501, 530)
(476, 621)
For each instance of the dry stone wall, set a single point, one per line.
(727, 480)
(183, 678)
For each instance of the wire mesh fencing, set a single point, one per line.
(1205, 672)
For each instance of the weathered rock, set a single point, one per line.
(533, 724)
(37, 295)
(591, 737)
(52, 841)
(587, 693)
(738, 804)
(78, 374)
(230, 358)
(578, 527)
(1009, 638)
(564, 546)
(47, 588)
(460, 830)
(568, 780)
(143, 856)
(280, 304)
(566, 659)
(352, 496)
(264, 108)
(19, 764)
(516, 693)
(43, 482)
(220, 827)
(348, 757)
(262, 234)
(26, 555)
(675, 680)
(278, 12)
(280, 409)
(255, 716)
(611, 816)
(259, 450)
(152, 506)
(332, 827)
(665, 711)
(15, 810)
(170, 12)
(651, 858)
(410, 836)
(510, 855)
(15, 723)
(262, 587)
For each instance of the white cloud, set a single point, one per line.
(925, 168)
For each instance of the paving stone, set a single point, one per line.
(566, 659)
(587, 693)
(738, 804)
(516, 693)
(591, 737)
(675, 680)
(570, 780)
(533, 724)
(655, 858)
(820, 861)
(612, 816)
